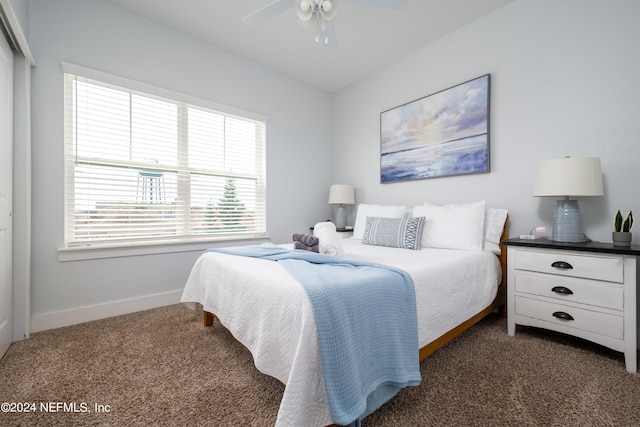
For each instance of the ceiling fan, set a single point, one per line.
(315, 14)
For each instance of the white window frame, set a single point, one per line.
(74, 250)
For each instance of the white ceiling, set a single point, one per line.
(368, 37)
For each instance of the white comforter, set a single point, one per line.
(268, 311)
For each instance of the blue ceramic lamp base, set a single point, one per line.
(341, 217)
(567, 222)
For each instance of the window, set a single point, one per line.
(147, 165)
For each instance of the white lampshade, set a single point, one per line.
(570, 176)
(341, 194)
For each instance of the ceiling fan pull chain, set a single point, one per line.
(318, 26)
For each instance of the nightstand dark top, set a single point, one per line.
(601, 247)
(339, 230)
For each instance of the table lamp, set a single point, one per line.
(341, 195)
(566, 177)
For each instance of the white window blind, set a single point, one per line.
(144, 164)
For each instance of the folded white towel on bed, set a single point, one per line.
(330, 240)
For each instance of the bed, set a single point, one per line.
(268, 311)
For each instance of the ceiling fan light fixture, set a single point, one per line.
(304, 10)
(315, 14)
(328, 9)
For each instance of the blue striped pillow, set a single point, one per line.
(394, 232)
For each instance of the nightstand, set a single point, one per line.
(588, 290)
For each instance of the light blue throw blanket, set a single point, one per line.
(367, 326)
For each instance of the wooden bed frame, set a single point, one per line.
(498, 303)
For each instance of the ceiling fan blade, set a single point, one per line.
(268, 12)
(391, 4)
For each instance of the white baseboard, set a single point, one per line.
(74, 316)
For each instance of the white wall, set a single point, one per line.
(564, 83)
(20, 9)
(100, 35)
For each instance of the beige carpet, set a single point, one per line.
(162, 367)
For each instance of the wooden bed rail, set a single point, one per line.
(208, 318)
(503, 265)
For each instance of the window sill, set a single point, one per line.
(79, 253)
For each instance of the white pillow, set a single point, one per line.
(382, 211)
(329, 242)
(493, 225)
(456, 226)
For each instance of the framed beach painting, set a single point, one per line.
(443, 134)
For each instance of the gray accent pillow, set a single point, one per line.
(394, 232)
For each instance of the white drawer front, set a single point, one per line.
(584, 291)
(587, 320)
(585, 266)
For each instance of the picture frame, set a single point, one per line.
(442, 134)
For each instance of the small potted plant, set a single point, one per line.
(622, 229)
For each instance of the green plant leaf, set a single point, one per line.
(617, 222)
(628, 223)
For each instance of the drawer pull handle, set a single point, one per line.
(562, 265)
(562, 315)
(562, 290)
